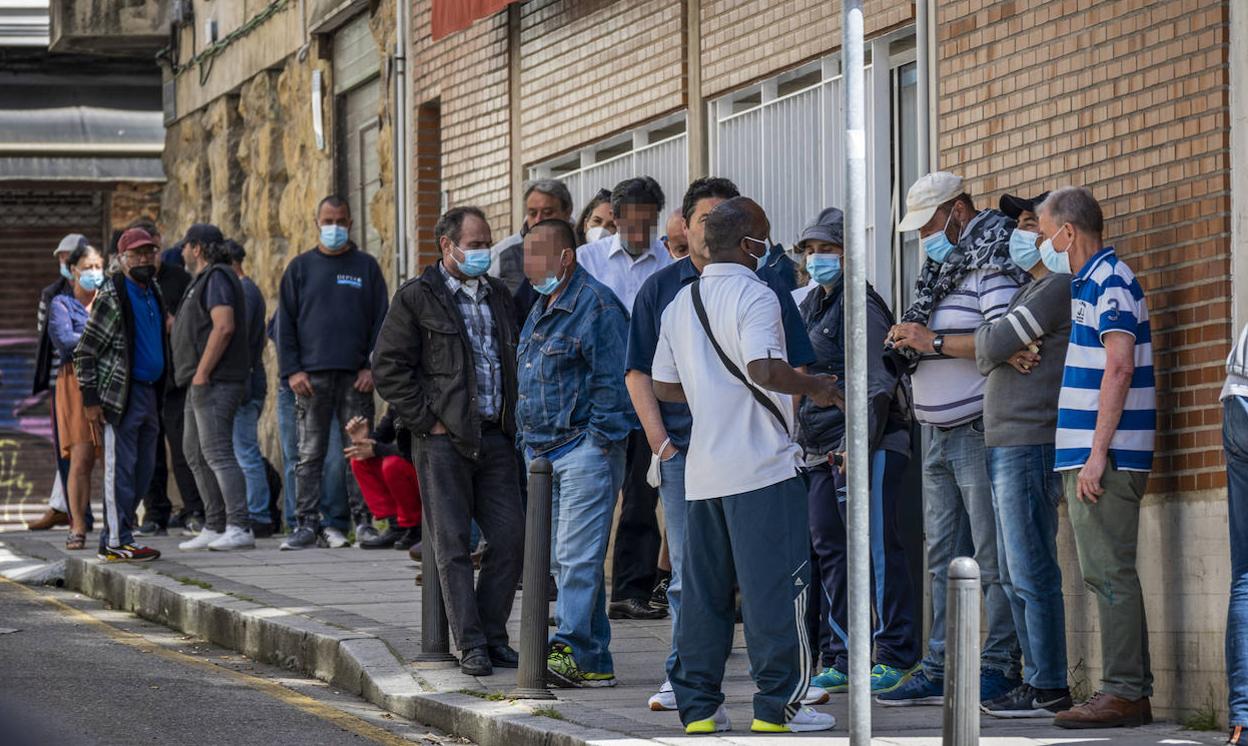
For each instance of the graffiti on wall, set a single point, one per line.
(27, 464)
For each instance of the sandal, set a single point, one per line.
(76, 541)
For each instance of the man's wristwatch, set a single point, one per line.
(938, 344)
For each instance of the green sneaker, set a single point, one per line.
(886, 678)
(831, 681)
(561, 668)
(597, 679)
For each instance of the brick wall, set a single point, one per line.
(130, 201)
(592, 68)
(1130, 100)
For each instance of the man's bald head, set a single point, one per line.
(677, 240)
(730, 224)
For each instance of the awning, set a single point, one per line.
(450, 16)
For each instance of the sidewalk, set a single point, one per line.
(352, 617)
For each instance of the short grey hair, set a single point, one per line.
(551, 188)
(1074, 205)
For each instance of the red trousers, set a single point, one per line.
(390, 488)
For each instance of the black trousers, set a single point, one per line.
(637, 538)
(156, 503)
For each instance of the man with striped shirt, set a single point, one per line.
(1105, 424)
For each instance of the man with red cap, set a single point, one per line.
(121, 363)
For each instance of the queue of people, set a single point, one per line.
(686, 369)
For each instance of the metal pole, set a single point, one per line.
(534, 606)
(402, 162)
(961, 727)
(435, 637)
(921, 93)
(858, 508)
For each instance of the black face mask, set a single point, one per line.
(143, 274)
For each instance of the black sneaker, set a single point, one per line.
(658, 598)
(1028, 702)
(128, 553)
(409, 539)
(383, 540)
(301, 538)
(151, 528)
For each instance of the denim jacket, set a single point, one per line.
(571, 365)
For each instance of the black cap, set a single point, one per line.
(829, 226)
(1013, 205)
(203, 233)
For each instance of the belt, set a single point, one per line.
(955, 427)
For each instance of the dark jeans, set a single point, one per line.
(333, 392)
(456, 491)
(637, 538)
(208, 438)
(896, 635)
(759, 540)
(156, 504)
(129, 457)
(1235, 441)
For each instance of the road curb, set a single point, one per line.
(356, 662)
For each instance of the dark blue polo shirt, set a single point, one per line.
(149, 345)
(643, 334)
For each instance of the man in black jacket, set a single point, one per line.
(446, 361)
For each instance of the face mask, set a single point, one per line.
(476, 262)
(551, 283)
(760, 261)
(823, 268)
(66, 273)
(91, 279)
(595, 233)
(143, 274)
(938, 245)
(1023, 251)
(333, 236)
(1056, 261)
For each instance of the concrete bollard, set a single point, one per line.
(534, 603)
(435, 637)
(961, 715)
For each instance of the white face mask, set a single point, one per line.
(760, 260)
(595, 233)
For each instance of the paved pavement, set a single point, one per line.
(374, 592)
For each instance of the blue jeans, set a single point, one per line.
(959, 521)
(585, 484)
(1025, 493)
(675, 509)
(1235, 440)
(247, 451)
(129, 460)
(333, 476)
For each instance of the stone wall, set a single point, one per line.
(129, 201)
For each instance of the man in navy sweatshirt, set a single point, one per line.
(331, 305)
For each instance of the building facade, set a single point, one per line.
(269, 105)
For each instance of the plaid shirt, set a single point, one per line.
(482, 337)
(103, 357)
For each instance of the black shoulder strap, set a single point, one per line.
(759, 396)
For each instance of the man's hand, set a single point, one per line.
(912, 336)
(1023, 361)
(357, 429)
(200, 379)
(95, 414)
(301, 384)
(360, 450)
(438, 428)
(825, 393)
(364, 381)
(667, 451)
(838, 460)
(1088, 489)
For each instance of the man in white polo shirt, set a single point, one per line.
(967, 280)
(722, 349)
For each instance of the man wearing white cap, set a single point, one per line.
(967, 280)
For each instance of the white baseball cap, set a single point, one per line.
(927, 194)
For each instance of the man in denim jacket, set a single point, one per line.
(573, 409)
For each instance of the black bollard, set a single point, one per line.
(435, 636)
(534, 606)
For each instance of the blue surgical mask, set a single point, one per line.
(937, 247)
(91, 279)
(760, 261)
(66, 273)
(550, 284)
(1056, 261)
(475, 263)
(823, 268)
(333, 236)
(1023, 251)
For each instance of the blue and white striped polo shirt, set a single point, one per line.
(1105, 297)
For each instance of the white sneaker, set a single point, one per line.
(808, 719)
(718, 723)
(201, 541)
(815, 695)
(334, 538)
(235, 537)
(665, 699)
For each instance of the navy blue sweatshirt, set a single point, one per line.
(329, 312)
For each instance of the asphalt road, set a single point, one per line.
(75, 673)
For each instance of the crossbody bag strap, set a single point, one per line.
(759, 396)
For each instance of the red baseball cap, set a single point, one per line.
(135, 238)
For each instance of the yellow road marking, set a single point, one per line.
(344, 720)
